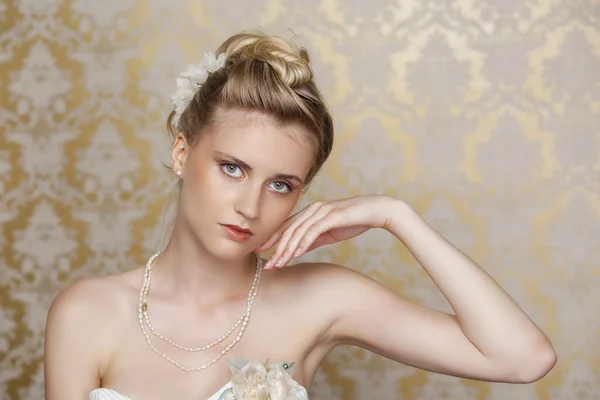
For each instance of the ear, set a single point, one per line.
(179, 153)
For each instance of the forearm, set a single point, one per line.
(488, 316)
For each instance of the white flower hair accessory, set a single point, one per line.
(190, 81)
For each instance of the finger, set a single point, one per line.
(323, 240)
(280, 257)
(309, 211)
(276, 236)
(309, 230)
(275, 258)
(312, 230)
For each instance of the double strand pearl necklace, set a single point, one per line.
(212, 344)
(243, 320)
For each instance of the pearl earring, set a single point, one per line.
(178, 173)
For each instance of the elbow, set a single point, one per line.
(537, 365)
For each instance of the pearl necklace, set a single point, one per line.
(243, 320)
(212, 344)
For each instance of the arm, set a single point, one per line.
(73, 344)
(490, 338)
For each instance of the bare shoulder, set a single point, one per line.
(94, 309)
(328, 278)
(87, 300)
(327, 289)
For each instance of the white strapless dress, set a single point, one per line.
(109, 394)
(295, 391)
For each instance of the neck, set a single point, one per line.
(186, 268)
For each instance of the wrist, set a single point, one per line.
(401, 218)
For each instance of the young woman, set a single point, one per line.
(250, 131)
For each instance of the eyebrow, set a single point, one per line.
(249, 168)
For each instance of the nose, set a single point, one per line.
(248, 201)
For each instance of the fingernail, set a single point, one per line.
(279, 262)
(268, 264)
(298, 252)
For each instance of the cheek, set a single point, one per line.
(203, 190)
(275, 212)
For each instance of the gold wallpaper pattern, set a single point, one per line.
(483, 115)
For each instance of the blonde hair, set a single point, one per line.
(262, 73)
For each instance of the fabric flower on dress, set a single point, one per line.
(268, 381)
(190, 81)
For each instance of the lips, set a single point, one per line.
(237, 233)
(240, 229)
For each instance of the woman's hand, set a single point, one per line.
(324, 223)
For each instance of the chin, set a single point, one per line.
(227, 249)
(215, 241)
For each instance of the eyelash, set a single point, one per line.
(225, 165)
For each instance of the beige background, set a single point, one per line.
(483, 115)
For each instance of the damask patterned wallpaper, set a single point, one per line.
(483, 115)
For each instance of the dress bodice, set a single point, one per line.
(109, 394)
(274, 379)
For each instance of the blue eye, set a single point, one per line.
(281, 187)
(232, 170)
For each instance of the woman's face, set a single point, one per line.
(246, 172)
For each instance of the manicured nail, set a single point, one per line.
(279, 262)
(268, 264)
(298, 252)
